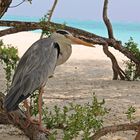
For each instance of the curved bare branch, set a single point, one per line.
(86, 36)
(107, 21)
(4, 5)
(52, 10)
(117, 71)
(50, 13)
(113, 129)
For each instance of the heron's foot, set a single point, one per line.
(14, 118)
(44, 130)
(30, 121)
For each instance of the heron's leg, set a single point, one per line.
(41, 91)
(14, 117)
(25, 104)
(29, 119)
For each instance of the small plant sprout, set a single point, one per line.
(130, 113)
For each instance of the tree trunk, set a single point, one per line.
(4, 5)
(117, 71)
(138, 135)
(107, 21)
(32, 131)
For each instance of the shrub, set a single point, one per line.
(76, 120)
(9, 58)
(130, 66)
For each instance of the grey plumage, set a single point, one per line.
(33, 70)
(37, 64)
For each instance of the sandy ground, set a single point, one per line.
(88, 70)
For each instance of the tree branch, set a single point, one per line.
(29, 26)
(117, 71)
(50, 13)
(86, 36)
(4, 5)
(32, 131)
(52, 10)
(113, 129)
(14, 6)
(107, 21)
(138, 135)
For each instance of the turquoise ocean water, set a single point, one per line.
(122, 30)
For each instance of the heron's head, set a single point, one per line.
(63, 36)
(65, 39)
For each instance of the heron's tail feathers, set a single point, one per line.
(10, 102)
(13, 98)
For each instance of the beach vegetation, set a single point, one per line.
(50, 29)
(9, 58)
(131, 69)
(75, 120)
(130, 113)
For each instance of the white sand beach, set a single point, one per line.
(88, 70)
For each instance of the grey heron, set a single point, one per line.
(37, 65)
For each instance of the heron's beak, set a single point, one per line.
(79, 41)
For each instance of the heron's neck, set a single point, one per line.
(65, 52)
(65, 48)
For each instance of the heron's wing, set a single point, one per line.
(33, 70)
(33, 58)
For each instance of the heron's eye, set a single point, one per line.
(63, 32)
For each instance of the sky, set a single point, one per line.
(119, 10)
